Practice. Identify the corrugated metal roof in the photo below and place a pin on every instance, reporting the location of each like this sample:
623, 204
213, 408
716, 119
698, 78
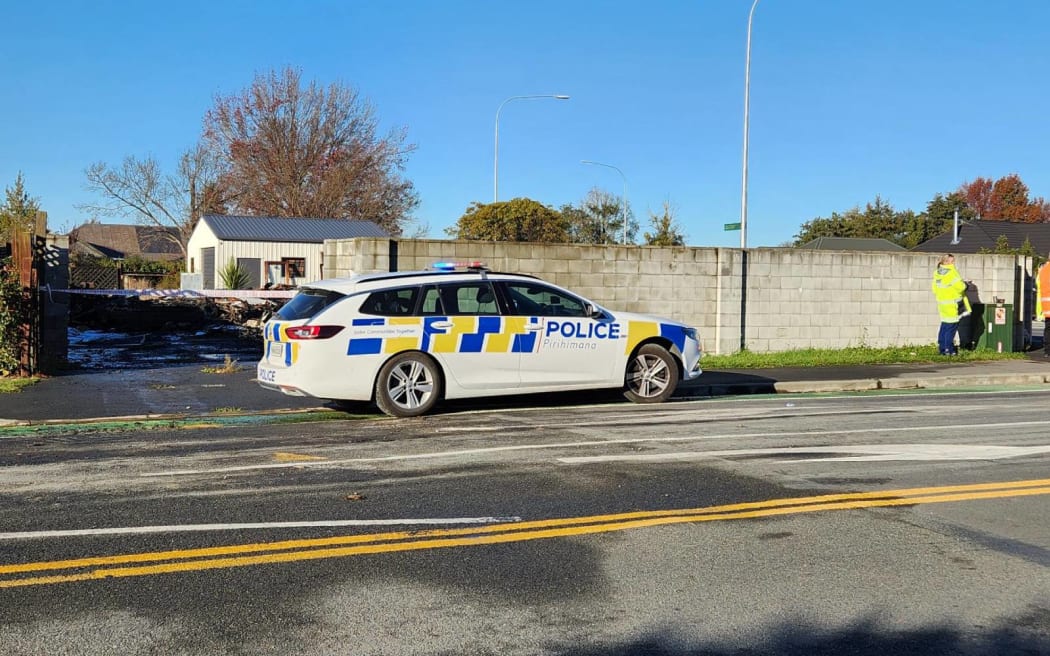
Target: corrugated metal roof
272, 228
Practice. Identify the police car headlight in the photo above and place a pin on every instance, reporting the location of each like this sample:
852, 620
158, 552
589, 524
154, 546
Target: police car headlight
691, 334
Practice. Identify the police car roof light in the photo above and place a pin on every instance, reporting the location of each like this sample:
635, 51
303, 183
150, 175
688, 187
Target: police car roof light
452, 266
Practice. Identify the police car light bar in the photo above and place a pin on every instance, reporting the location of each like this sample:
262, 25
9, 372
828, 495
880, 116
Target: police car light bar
452, 266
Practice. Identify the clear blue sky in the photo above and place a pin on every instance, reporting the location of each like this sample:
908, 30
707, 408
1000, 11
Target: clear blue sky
849, 99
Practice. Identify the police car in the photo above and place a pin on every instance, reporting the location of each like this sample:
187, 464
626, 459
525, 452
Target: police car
407, 340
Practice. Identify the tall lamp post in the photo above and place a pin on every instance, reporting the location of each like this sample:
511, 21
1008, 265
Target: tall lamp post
747, 102
610, 166
495, 166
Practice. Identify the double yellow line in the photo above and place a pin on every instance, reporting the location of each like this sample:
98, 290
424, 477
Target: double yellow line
242, 555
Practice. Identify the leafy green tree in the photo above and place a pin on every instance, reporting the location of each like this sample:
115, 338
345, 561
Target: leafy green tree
937, 219
19, 211
876, 220
520, 219
666, 229
599, 219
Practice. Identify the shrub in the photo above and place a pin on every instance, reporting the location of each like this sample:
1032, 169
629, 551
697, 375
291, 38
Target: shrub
14, 312
233, 276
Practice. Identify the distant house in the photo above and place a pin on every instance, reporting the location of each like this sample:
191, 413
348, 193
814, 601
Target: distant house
852, 244
977, 236
272, 250
119, 242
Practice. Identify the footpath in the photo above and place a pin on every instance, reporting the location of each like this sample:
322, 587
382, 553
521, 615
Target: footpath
190, 391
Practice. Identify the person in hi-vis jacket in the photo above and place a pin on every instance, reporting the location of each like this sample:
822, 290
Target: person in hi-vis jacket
1042, 303
949, 289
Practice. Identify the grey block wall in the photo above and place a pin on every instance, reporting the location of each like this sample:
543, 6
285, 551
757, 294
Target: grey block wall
766, 299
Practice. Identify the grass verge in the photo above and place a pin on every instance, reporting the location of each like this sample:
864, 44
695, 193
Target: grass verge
847, 357
9, 385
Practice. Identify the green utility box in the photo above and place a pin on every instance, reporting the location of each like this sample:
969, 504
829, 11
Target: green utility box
993, 326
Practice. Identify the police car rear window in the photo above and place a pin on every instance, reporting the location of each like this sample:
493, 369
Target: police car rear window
307, 303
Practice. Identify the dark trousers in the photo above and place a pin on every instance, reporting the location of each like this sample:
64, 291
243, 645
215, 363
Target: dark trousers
946, 338
1046, 336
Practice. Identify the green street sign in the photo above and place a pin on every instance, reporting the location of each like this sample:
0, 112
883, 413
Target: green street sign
732, 226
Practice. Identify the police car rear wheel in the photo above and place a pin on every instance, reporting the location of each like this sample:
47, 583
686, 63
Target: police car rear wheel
652, 375
408, 385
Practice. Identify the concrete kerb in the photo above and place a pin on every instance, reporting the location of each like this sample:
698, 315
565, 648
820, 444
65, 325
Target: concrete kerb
814, 386
934, 382
864, 385
9, 423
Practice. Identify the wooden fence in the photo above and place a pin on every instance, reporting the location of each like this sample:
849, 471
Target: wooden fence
26, 259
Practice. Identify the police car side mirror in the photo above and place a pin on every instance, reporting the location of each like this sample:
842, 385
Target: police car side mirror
593, 311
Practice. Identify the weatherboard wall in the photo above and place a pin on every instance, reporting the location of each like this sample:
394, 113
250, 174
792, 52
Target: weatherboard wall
784, 298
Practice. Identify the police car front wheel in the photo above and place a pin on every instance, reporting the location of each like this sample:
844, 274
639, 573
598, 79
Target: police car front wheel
409, 385
652, 375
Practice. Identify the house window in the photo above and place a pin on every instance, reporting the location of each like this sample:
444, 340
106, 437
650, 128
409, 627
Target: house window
294, 267
286, 271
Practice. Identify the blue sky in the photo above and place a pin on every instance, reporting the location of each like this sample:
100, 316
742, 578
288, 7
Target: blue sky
849, 99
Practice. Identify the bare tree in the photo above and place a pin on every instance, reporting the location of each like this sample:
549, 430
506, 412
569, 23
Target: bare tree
295, 150
138, 189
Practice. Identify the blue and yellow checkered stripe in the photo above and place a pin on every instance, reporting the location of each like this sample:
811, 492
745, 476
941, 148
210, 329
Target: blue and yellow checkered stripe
272, 332
467, 334
639, 331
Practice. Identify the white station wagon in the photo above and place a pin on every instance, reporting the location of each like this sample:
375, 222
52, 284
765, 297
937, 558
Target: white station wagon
407, 340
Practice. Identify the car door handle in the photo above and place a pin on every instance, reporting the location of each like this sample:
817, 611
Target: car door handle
442, 324
534, 326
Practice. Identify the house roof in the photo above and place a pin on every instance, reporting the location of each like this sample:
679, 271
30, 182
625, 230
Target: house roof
272, 228
852, 244
117, 241
977, 235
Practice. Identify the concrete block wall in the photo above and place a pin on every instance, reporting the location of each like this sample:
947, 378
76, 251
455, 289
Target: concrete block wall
766, 299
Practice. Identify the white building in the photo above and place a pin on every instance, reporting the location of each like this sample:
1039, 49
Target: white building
271, 250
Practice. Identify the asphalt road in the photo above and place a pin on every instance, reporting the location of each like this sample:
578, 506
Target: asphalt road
907, 523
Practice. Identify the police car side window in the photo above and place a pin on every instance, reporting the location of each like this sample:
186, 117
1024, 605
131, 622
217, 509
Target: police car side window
531, 299
470, 298
391, 302
431, 304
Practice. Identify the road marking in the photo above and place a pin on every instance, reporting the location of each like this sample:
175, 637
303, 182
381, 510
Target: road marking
684, 416
294, 457
871, 452
189, 528
201, 559
436, 455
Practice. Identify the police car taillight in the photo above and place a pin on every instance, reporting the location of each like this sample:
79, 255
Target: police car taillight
311, 332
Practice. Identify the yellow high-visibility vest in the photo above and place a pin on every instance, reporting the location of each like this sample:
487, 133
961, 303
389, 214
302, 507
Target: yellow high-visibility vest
948, 289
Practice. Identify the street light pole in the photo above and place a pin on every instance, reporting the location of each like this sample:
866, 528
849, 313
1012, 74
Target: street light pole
610, 166
495, 166
747, 103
